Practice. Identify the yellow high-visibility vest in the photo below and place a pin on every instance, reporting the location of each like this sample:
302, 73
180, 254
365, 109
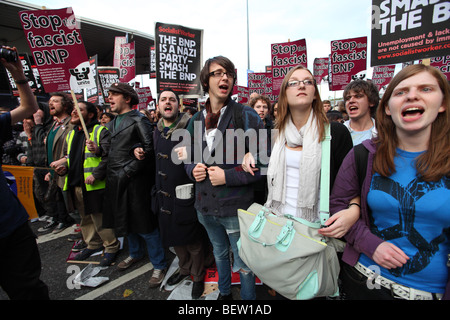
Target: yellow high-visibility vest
91, 161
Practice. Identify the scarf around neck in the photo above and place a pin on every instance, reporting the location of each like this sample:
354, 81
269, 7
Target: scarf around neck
212, 119
309, 171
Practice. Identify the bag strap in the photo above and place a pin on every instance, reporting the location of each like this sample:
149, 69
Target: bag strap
324, 212
238, 121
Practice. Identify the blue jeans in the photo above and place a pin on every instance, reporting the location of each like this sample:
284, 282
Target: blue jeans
137, 243
223, 232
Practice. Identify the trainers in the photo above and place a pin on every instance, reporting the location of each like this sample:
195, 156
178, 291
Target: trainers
49, 226
176, 278
108, 259
86, 253
45, 218
197, 289
60, 227
127, 263
79, 246
157, 277
75, 237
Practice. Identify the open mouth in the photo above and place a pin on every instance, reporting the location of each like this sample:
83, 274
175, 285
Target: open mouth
412, 112
353, 109
223, 88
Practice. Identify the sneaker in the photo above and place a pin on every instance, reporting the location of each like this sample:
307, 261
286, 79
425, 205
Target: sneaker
45, 218
76, 234
127, 263
157, 277
176, 278
86, 253
49, 226
76, 228
197, 289
108, 259
79, 246
60, 227
74, 237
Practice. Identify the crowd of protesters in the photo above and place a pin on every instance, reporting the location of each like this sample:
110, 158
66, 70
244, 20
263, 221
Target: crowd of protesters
113, 173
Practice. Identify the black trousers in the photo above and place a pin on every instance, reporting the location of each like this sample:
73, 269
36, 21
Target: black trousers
355, 286
20, 266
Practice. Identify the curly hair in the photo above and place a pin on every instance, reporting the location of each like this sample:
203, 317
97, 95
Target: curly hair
66, 101
366, 87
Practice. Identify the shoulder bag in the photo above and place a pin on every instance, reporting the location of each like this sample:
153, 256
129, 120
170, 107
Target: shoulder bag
287, 253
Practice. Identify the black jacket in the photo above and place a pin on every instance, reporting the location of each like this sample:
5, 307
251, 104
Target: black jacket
177, 217
127, 206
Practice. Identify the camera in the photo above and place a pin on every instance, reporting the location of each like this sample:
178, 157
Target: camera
8, 55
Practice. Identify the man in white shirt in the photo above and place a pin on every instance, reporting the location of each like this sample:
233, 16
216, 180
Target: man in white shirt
361, 100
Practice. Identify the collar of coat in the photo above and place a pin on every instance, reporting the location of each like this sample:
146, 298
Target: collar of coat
180, 123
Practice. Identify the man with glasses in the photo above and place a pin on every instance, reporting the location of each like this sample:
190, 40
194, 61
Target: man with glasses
222, 187
361, 100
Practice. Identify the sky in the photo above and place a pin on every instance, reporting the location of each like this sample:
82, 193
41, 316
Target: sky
224, 25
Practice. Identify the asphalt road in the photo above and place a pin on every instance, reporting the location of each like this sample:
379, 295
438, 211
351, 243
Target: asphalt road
130, 284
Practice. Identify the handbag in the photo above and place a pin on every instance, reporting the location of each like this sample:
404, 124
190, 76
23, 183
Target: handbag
287, 253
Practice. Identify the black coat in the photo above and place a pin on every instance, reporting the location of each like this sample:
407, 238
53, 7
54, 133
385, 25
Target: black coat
127, 206
177, 218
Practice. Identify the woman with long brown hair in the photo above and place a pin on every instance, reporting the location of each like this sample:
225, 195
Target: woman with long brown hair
294, 168
402, 236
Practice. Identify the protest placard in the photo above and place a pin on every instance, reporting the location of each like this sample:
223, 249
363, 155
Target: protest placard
348, 61
443, 64
242, 95
118, 42
409, 30
320, 69
127, 62
190, 103
107, 76
260, 82
285, 56
56, 45
178, 58
152, 62
382, 75
29, 74
95, 94
145, 96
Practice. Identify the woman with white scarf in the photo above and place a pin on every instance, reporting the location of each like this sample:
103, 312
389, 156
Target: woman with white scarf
293, 174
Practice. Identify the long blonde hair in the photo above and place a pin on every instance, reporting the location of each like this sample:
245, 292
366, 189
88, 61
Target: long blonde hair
433, 164
283, 112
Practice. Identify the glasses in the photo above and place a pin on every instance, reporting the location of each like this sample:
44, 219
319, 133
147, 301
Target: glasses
219, 74
296, 83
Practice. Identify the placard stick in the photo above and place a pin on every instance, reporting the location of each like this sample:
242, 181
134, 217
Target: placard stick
79, 114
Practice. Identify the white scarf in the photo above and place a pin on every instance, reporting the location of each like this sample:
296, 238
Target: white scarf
309, 175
